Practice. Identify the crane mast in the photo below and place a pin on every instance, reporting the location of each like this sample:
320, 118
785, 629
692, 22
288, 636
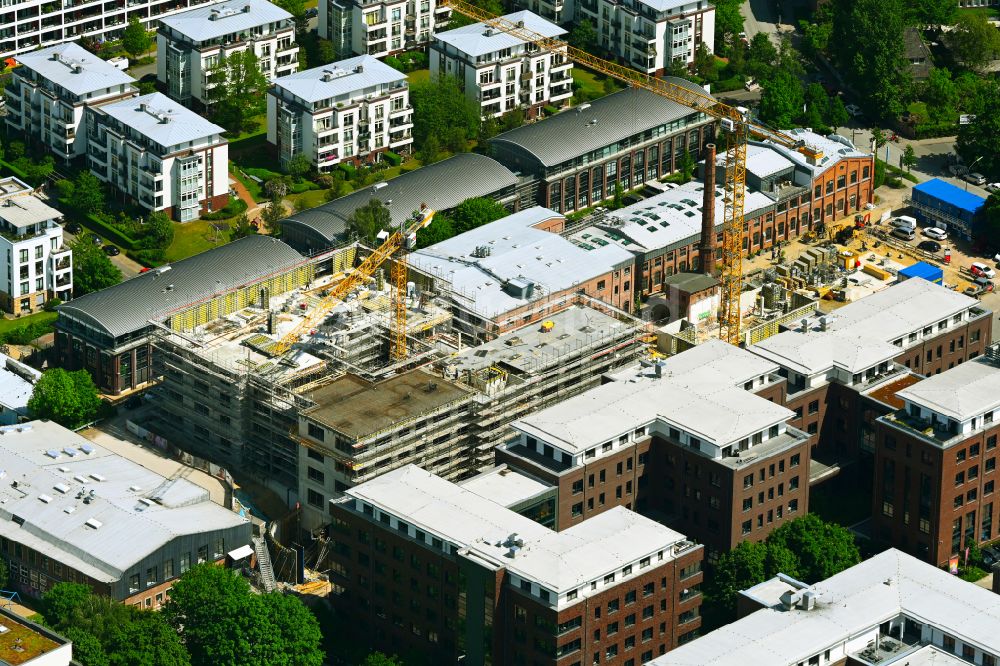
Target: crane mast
734, 123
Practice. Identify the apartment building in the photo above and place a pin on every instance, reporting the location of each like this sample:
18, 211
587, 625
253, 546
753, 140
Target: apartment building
35, 264
50, 90
490, 586
936, 463
352, 110
189, 45
701, 439
838, 365
501, 72
890, 610
160, 156
380, 27
26, 25
575, 158
77, 512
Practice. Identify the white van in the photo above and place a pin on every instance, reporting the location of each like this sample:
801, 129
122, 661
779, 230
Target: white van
903, 233
121, 62
905, 222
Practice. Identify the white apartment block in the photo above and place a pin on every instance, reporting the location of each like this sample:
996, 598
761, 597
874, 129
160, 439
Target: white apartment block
351, 110
647, 34
35, 264
501, 72
380, 27
160, 155
49, 91
190, 44
26, 25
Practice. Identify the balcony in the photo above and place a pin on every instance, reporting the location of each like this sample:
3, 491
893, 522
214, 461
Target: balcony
65, 280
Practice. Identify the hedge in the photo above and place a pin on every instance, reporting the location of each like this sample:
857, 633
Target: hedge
550, 110
303, 186
392, 158
728, 85
232, 209
14, 170
263, 174
151, 258
348, 169
108, 232
932, 130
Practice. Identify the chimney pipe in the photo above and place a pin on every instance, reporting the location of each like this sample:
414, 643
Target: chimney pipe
706, 248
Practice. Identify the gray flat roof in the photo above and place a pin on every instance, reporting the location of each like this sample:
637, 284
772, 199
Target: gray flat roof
343, 77
161, 119
854, 601
17, 381
231, 16
129, 306
25, 210
969, 389
505, 486
74, 68
812, 352
53, 465
558, 561
691, 282
478, 39
602, 122
441, 186
517, 250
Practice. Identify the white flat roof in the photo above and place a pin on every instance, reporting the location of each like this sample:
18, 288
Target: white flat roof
231, 16
25, 210
353, 75
701, 399
833, 146
35, 456
161, 119
813, 352
74, 68
969, 389
17, 381
851, 602
505, 486
762, 160
557, 561
479, 39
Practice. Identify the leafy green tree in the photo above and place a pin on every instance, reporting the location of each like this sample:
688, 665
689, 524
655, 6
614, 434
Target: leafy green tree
685, 167
441, 110
87, 650
68, 398
297, 8
821, 548
909, 157
817, 106
836, 113
781, 100
299, 166
816, 32
242, 228
762, 56
475, 212
488, 129
940, 93
238, 93
431, 151
135, 39
92, 269
272, 215
931, 12
159, 231
988, 221
705, 64
61, 601
147, 639
296, 629
368, 220
874, 64
87, 193
618, 199
879, 136
728, 21
584, 36
980, 139
738, 569
379, 659
440, 229
512, 119
975, 41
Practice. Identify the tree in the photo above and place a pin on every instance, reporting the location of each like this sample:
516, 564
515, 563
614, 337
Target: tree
728, 21
781, 100
584, 36
980, 139
368, 220
61, 601
242, 228
617, 200
909, 158
874, 64
3, 575
440, 229
273, 214
513, 119
821, 548
816, 33
135, 40
87, 193
975, 41
931, 12
299, 166
685, 167
988, 221
87, 650
879, 137
147, 639
296, 629
441, 110
237, 91
738, 569
762, 56
837, 115
379, 659
430, 151
817, 106
940, 93
159, 231
476, 212
92, 269
68, 398
705, 64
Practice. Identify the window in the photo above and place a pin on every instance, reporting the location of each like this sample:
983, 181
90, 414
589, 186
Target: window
151, 576
578, 487
577, 509
794, 460
133, 580
185, 562
314, 498
202, 554
316, 432
316, 475
814, 407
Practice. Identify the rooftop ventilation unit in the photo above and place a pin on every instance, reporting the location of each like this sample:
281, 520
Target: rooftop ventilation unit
44, 498
87, 448
97, 477
93, 522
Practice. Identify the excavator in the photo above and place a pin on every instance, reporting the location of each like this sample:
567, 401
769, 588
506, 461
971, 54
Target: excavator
402, 238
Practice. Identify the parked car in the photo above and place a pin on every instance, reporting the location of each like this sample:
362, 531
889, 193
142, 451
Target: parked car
984, 283
97, 240
935, 233
929, 246
853, 110
111, 250
973, 291
980, 269
992, 187
73, 227
975, 178
902, 233
905, 222
751, 85
958, 169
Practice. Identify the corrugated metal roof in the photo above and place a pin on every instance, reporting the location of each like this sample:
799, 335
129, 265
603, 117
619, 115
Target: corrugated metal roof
128, 307
950, 194
441, 186
91, 74
478, 39
161, 119
232, 16
605, 121
339, 78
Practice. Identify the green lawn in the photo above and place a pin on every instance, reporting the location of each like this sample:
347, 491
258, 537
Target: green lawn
252, 185
419, 76
590, 84
309, 199
989, 12
191, 238
7, 325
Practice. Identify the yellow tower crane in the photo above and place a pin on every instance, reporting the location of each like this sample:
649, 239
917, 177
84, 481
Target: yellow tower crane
735, 123
397, 240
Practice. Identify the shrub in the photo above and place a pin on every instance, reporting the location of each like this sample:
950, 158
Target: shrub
232, 209
22, 335
392, 158
394, 62
550, 110
104, 226
303, 186
324, 180
726, 85
349, 169
151, 258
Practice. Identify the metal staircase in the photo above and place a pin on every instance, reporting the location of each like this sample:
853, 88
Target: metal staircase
264, 564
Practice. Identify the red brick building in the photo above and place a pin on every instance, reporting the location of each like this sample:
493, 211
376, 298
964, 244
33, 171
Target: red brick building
425, 566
